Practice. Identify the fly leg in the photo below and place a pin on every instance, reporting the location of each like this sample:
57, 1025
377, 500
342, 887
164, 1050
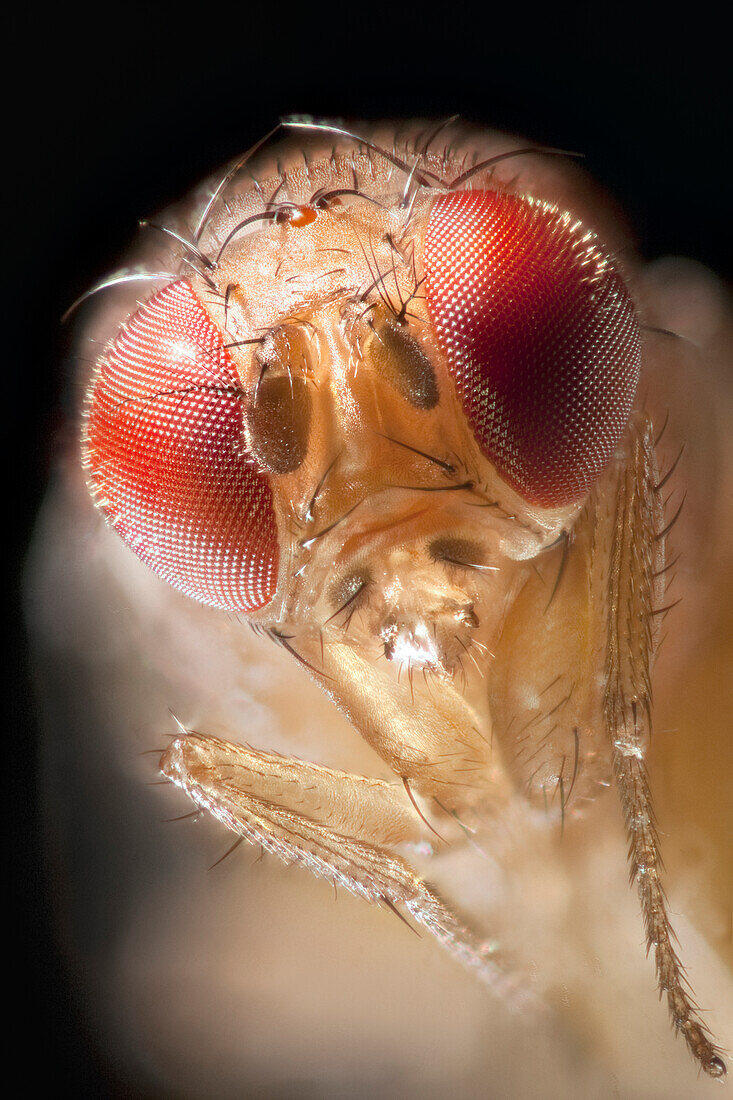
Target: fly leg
341, 826
634, 592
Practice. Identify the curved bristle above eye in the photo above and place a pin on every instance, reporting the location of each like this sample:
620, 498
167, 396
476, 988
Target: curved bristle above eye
541, 338
164, 450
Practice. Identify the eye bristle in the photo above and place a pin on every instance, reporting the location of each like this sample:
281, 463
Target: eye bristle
164, 449
541, 338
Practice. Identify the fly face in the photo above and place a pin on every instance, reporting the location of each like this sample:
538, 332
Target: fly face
385, 406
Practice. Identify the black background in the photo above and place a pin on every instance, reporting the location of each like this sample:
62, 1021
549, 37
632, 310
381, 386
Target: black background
108, 117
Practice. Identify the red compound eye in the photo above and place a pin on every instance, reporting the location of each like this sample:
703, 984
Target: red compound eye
164, 447
540, 335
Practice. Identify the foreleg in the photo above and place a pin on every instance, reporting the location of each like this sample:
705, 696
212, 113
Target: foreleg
340, 826
634, 594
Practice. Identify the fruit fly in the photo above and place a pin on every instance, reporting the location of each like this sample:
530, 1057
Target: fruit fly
396, 403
